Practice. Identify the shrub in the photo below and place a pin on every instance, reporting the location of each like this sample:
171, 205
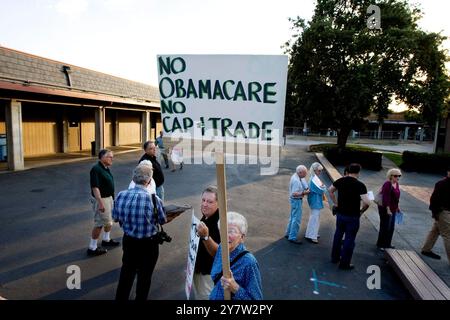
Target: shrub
366, 157
425, 162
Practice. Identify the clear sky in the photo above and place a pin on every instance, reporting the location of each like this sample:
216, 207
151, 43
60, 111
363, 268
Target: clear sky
123, 37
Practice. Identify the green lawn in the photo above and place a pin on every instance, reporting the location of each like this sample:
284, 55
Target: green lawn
394, 157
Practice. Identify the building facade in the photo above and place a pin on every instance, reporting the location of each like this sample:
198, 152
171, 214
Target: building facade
49, 107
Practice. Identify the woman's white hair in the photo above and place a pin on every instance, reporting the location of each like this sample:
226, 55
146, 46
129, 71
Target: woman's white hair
142, 174
301, 168
146, 163
238, 220
315, 166
393, 172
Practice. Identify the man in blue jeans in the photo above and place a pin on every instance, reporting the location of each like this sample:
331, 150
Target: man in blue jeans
350, 193
298, 188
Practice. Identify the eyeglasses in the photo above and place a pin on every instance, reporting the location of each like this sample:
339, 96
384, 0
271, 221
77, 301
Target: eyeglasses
233, 231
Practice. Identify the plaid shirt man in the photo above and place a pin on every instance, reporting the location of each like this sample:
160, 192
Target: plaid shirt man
133, 208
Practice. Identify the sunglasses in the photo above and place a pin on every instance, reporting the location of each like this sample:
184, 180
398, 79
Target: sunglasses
397, 175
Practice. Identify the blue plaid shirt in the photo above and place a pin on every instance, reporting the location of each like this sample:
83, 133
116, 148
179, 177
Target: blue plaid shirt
133, 208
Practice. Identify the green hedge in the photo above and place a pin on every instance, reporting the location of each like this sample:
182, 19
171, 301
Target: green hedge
425, 162
365, 157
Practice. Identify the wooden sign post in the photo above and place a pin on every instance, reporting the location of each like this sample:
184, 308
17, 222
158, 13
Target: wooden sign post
222, 194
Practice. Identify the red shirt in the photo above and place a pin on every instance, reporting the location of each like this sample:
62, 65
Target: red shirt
391, 196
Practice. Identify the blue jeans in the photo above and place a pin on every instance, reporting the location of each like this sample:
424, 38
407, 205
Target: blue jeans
349, 226
295, 219
160, 192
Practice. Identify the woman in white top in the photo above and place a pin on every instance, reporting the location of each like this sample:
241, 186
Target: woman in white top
315, 201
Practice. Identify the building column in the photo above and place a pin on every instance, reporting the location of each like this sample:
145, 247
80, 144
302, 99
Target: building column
145, 126
380, 129
115, 127
14, 135
406, 133
99, 129
65, 132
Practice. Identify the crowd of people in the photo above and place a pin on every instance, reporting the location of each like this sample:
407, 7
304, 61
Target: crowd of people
349, 199
140, 212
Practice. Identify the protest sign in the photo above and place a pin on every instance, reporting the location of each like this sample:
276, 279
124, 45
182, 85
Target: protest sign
237, 96
193, 248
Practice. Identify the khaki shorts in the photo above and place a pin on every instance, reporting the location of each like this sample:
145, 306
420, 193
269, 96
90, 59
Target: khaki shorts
103, 219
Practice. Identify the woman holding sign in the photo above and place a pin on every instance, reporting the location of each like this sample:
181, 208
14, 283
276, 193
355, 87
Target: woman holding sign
315, 201
245, 280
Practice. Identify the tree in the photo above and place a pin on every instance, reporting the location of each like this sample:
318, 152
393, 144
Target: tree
340, 70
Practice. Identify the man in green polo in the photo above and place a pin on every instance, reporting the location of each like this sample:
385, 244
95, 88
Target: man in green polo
102, 191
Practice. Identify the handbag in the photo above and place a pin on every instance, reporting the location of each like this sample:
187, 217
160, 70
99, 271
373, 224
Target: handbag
378, 198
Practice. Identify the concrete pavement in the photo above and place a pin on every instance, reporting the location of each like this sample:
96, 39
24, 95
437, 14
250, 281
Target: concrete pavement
416, 189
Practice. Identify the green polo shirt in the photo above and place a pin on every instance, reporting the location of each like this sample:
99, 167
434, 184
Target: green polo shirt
102, 179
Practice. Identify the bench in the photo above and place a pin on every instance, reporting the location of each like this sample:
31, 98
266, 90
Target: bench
333, 173
421, 281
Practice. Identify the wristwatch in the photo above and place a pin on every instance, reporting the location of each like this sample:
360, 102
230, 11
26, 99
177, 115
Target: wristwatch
205, 238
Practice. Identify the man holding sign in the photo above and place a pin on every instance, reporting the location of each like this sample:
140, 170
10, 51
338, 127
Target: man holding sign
208, 231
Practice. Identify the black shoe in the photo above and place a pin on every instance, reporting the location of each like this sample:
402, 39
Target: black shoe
287, 237
167, 167
346, 267
335, 261
110, 243
431, 254
295, 241
97, 252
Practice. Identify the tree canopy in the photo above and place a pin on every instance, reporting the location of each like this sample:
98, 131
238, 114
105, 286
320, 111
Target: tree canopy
341, 68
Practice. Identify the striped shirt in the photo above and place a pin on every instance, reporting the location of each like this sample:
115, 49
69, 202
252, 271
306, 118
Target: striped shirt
133, 208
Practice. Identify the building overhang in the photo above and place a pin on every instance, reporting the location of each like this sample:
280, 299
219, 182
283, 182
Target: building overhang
30, 91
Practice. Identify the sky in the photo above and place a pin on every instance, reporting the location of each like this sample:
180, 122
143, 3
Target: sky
123, 37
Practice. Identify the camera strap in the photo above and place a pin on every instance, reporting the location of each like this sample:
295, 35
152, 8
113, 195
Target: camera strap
155, 213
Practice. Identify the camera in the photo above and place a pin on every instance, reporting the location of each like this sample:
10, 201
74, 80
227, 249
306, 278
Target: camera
162, 237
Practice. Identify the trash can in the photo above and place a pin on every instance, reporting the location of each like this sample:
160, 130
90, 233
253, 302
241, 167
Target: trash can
3, 147
93, 148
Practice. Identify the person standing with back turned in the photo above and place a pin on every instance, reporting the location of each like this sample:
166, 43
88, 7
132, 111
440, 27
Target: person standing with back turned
351, 192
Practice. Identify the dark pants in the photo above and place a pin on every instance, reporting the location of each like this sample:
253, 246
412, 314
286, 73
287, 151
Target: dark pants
166, 160
348, 226
139, 258
387, 225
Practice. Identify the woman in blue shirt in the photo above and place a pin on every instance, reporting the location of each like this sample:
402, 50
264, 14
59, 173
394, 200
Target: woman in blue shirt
245, 280
315, 200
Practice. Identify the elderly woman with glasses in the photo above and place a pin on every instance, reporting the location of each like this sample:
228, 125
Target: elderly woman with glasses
245, 280
390, 195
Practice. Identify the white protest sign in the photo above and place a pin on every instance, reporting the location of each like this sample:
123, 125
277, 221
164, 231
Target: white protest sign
192, 255
223, 96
